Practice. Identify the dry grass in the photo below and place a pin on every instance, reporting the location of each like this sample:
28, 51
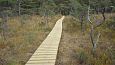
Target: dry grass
76, 48
24, 36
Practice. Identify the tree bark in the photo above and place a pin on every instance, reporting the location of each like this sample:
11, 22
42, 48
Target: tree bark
19, 7
94, 40
103, 14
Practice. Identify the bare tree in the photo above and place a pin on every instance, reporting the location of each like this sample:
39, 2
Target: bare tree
45, 15
82, 18
94, 37
19, 7
88, 17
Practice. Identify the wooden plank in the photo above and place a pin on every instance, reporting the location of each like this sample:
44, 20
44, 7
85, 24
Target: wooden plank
47, 52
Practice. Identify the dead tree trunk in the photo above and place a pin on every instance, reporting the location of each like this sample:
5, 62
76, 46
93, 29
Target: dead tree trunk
94, 38
19, 7
45, 15
88, 17
103, 13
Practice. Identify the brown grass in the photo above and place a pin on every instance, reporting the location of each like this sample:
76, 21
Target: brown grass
24, 36
76, 48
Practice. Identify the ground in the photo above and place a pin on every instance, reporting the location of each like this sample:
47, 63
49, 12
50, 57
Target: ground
76, 48
23, 36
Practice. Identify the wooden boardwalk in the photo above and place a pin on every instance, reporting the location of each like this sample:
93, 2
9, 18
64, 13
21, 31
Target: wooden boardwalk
47, 52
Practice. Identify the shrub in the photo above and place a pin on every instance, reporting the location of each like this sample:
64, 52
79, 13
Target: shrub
82, 57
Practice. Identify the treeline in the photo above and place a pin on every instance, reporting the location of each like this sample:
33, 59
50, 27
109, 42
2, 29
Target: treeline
40, 7
50, 7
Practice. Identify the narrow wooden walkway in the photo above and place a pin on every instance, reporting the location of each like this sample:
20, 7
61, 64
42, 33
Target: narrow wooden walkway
47, 52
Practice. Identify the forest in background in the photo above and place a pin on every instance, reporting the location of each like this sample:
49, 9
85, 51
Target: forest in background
50, 7
76, 8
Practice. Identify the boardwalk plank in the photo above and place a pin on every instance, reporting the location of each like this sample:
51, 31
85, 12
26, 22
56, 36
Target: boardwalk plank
47, 52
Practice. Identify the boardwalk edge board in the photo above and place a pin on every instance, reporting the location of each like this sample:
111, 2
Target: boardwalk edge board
47, 52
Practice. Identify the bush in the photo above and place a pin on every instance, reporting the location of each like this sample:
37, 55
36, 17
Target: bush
82, 57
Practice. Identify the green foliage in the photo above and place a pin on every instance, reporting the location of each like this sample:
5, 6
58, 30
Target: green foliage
111, 23
47, 8
12, 1
77, 7
82, 56
51, 7
86, 58
102, 59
